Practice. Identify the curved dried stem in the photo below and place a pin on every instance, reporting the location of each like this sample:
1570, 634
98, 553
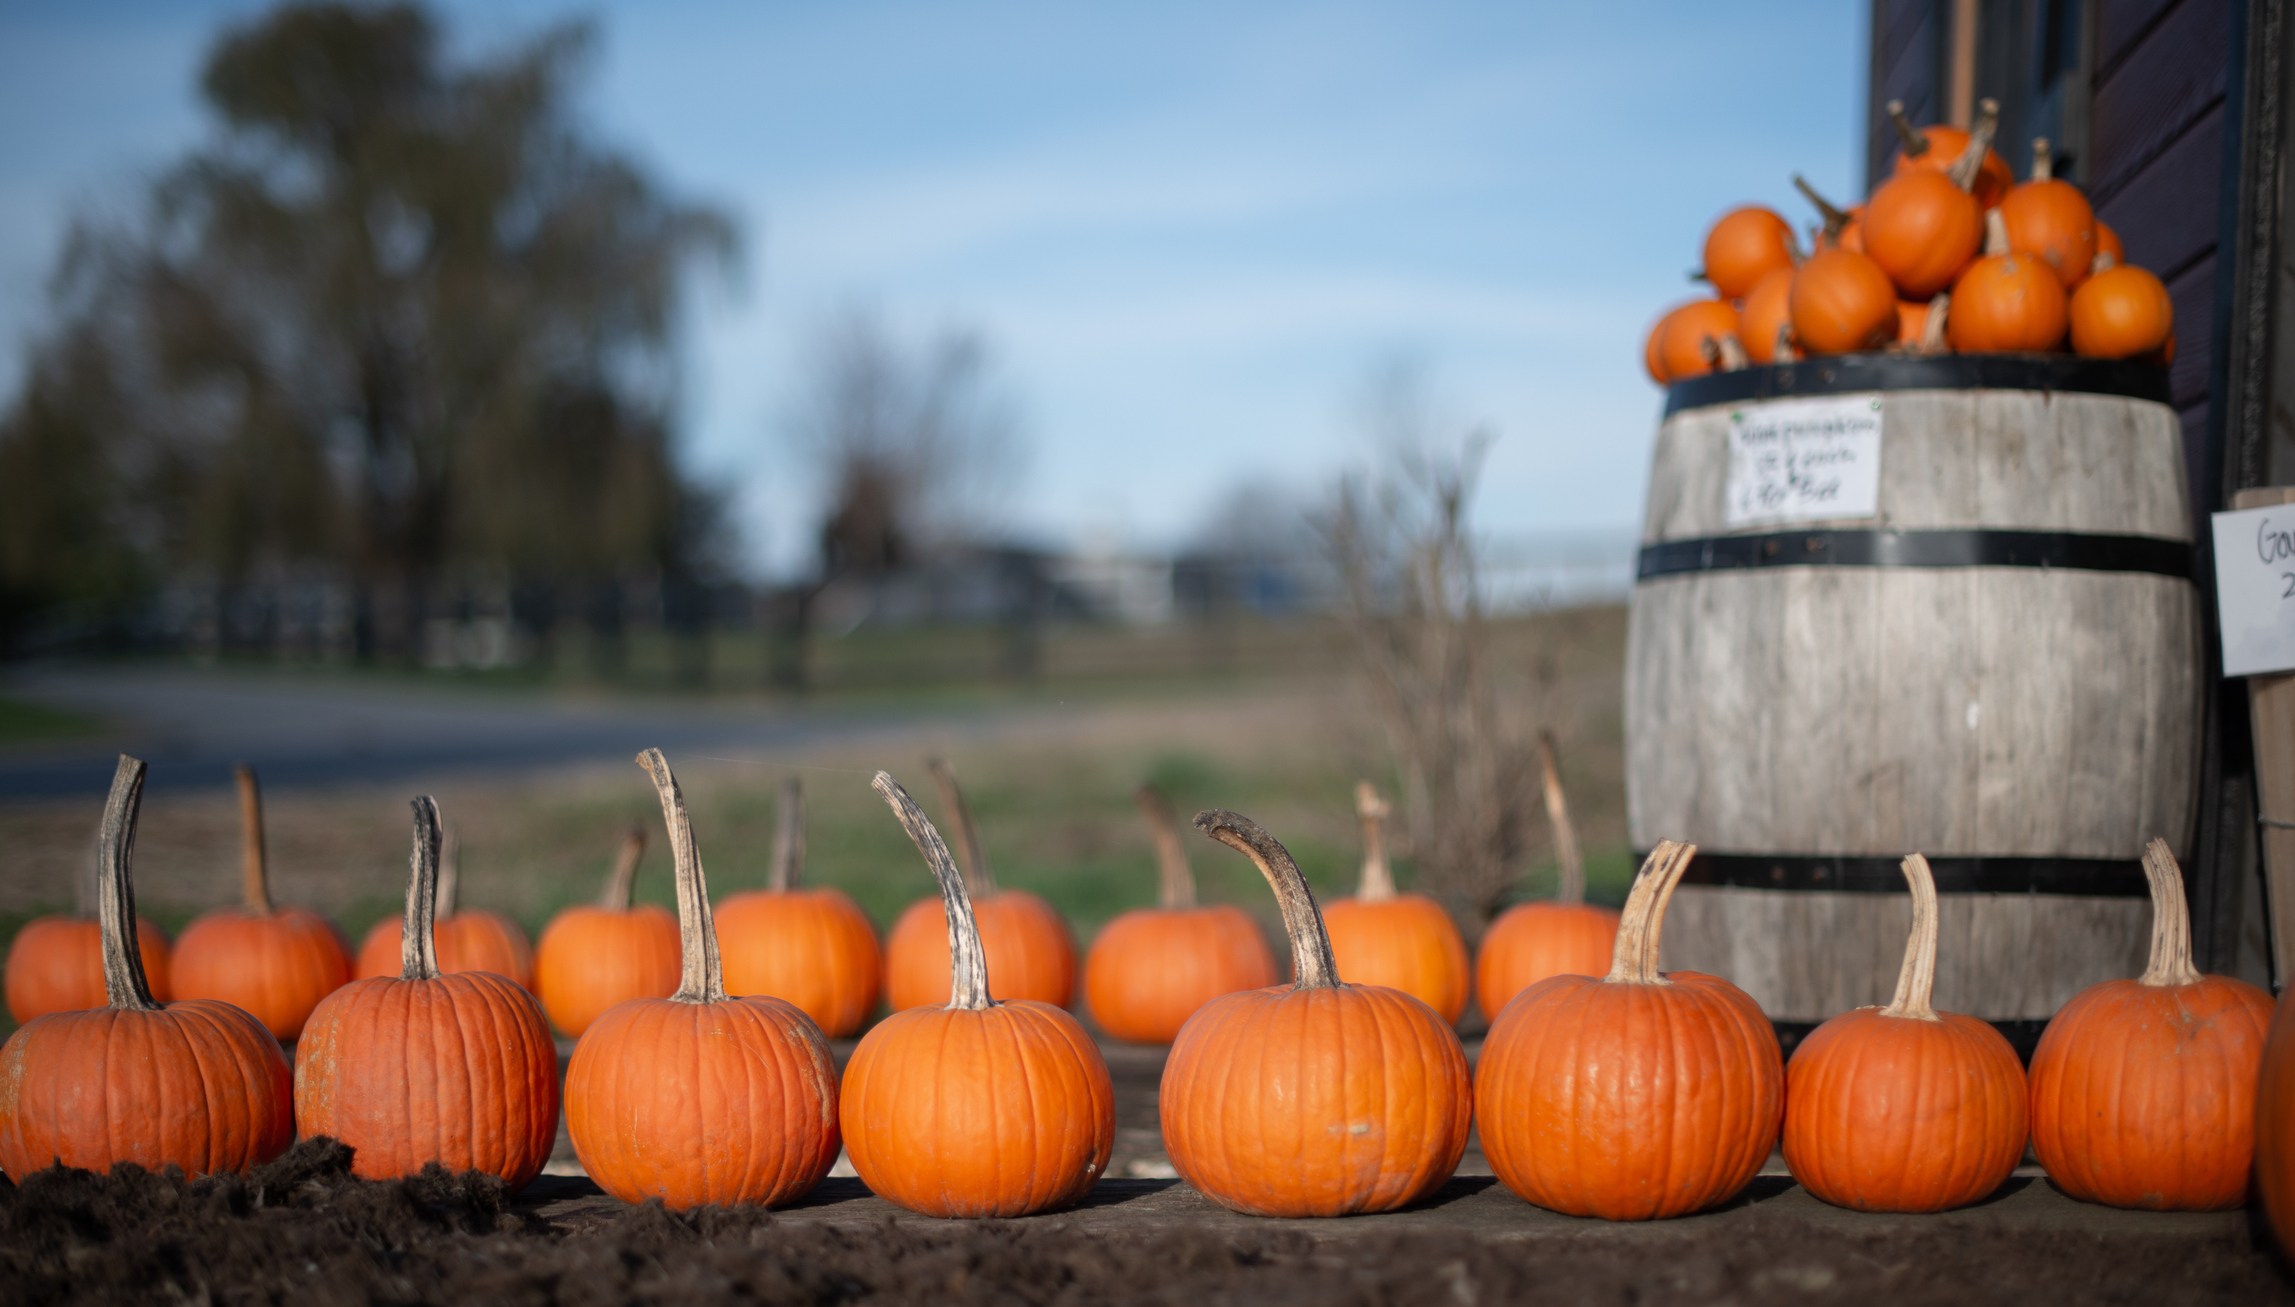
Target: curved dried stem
1917, 981
1971, 161
1311, 957
1378, 882
1932, 328
1175, 880
1572, 889
125, 986
979, 879
1913, 141
2171, 962
967, 961
417, 932
1995, 233
616, 896
2043, 163
1634, 961
703, 977
1835, 218
789, 839
254, 875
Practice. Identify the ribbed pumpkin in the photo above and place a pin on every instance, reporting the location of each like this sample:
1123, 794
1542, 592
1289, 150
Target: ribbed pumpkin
2120, 313
196, 1084
2006, 303
595, 955
1635, 1096
2051, 221
1402, 941
276, 963
1151, 968
812, 946
1744, 246
471, 939
1693, 343
1531, 941
1317, 1098
1842, 302
56, 962
1939, 147
1767, 318
979, 1107
1922, 229
430, 1066
2143, 1091
1031, 951
700, 1098
1904, 1108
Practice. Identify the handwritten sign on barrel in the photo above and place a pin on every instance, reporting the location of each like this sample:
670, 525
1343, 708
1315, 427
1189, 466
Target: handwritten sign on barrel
2255, 589
1804, 460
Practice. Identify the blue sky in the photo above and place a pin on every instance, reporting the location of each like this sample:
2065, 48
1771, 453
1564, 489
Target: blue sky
1190, 230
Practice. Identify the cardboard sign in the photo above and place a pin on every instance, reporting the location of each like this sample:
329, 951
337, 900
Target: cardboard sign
1804, 460
2255, 589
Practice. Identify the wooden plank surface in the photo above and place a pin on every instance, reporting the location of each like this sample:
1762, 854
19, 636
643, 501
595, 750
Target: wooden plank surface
2150, 99
2121, 23
2271, 705
2166, 214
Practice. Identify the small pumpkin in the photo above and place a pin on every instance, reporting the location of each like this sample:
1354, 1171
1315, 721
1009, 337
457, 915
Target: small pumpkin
1922, 229
2143, 1091
700, 1098
1402, 941
1766, 321
471, 939
1532, 941
456, 1068
1904, 1108
275, 962
2007, 303
1842, 302
1743, 246
2120, 312
1694, 334
594, 956
1939, 147
1317, 1098
2051, 221
1637, 1095
56, 962
976, 1107
196, 1084
2107, 246
1152, 968
1653, 347
810, 945
1031, 951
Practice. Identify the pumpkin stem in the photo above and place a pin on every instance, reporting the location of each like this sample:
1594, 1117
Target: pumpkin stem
417, 942
124, 984
1573, 887
967, 961
703, 979
616, 897
1917, 981
1995, 233
1311, 959
1971, 161
789, 839
979, 879
2103, 262
254, 876
1835, 219
1723, 352
1378, 882
1932, 330
1634, 959
1784, 351
1175, 882
2171, 921
2043, 163
1914, 142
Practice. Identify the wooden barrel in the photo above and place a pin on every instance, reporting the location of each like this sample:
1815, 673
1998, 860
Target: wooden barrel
1890, 605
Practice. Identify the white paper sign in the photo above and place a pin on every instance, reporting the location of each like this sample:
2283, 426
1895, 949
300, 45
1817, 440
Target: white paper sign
2255, 589
1805, 460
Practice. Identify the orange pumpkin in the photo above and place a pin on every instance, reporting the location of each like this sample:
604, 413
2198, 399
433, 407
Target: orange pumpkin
2005, 304
1744, 246
1922, 230
1653, 346
472, 939
56, 962
1151, 968
1939, 148
1637, 1095
2143, 1091
700, 1098
2108, 246
1031, 951
1842, 302
2051, 221
1904, 1108
456, 1068
1531, 941
2119, 313
196, 1084
1402, 941
1317, 1098
979, 1107
594, 956
1766, 321
1695, 333
812, 946
276, 963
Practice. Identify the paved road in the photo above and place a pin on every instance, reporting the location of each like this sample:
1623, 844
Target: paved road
314, 729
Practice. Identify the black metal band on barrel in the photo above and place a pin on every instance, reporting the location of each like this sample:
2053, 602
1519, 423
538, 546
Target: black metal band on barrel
2102, 877
1850, 374
1956, 548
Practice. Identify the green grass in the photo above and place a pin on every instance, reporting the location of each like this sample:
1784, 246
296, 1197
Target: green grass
36, 723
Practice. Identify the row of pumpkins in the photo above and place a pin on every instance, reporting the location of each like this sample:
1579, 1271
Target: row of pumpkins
1632, 1095
1145, 974
1950, 252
